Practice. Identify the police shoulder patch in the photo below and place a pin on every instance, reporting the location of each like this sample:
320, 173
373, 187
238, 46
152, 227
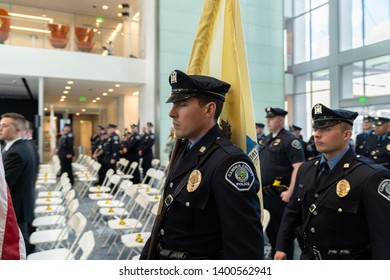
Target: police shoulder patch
384, 189
115, 137
152, 136
296, 144
70, 135
240, 176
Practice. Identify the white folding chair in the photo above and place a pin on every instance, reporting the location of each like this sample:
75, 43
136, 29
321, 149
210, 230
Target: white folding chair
55, 209
56, 199
85, 244
105, 187
57, 190
54, 238
129, 174
121, 166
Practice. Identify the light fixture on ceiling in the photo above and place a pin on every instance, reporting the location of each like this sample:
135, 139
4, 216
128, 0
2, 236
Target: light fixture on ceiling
70, 82
123, 14
110, 90
123, 6
104, 93
29, 29
105, 7
136, 16
50, 20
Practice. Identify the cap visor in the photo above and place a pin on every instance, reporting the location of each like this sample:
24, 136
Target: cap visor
179, 96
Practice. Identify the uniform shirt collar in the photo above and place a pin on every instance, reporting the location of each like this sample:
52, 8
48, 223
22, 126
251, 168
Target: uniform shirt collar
333, 161
10, 143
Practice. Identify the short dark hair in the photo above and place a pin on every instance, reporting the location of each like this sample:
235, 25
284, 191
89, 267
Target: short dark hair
204, 99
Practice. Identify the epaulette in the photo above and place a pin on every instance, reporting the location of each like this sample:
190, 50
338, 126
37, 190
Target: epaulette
367, 161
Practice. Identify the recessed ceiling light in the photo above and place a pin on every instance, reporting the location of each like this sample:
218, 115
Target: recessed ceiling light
83, 110
68, 87
110, 90
63, 96
65, 92
94, 101
105, 7
117, 85
62, 100
70, 82
77, 114
45, 109
105, 93
98, 98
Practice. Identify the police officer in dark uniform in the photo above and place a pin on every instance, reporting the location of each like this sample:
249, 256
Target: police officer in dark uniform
95, 139
361, 138
66, 152
132, 146
111, 147
145, 150
307, 149
99, 156
259, 132
378, 145
281, 154
211, 209
340, 199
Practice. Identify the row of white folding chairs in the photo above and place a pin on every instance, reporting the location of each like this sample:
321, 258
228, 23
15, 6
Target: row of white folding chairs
47, 174
85, 179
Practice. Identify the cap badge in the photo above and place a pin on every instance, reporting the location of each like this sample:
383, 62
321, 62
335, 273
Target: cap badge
173, 77
317, 109
342, 188
268, 109
194, 180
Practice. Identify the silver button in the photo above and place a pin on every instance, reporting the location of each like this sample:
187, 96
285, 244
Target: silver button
312, 230
340, 210
162, 231
316, 195
187, 204
171, 185
315, 213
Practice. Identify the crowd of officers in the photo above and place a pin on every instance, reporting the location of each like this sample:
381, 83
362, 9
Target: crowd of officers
107, 147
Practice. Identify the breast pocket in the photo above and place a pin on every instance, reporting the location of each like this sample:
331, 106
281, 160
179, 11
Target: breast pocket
342, 215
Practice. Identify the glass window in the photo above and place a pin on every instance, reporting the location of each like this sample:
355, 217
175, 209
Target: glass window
363, 22
352, 80
320, 32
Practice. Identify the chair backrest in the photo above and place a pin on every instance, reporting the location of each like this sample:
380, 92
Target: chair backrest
266, 219
73, 206
158, 177
70, 196
164, 165
77, 223
149, 176
86, 244
155, 162
109, 173
132, 168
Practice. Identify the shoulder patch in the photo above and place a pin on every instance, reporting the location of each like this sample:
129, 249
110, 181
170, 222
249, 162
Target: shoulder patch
240, 176
70, 135
296, 144
384, 189
152, 136
137, 137
115, 137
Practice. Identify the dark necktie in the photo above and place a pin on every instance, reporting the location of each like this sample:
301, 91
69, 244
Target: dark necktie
323, 173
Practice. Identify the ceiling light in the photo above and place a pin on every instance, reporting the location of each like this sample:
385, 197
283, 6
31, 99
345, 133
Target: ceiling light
117, 85
83, 110
123, 14
105, 93
98, 98
136, 16
68, 87
110, 90
63, 97
45, 109
94, 101
62, 100
123, 6
70, 82
50, 20
105, 7
135, 93
29, 29
65, 92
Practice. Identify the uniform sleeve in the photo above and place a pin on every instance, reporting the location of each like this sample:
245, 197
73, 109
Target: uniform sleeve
238, 208
295, 151
291, 218
376, 201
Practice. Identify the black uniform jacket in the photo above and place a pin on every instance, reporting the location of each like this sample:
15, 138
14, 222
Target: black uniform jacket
350, 220
221, 217
20, 168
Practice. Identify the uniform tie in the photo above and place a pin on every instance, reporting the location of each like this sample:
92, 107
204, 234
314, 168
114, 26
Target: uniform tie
323, 173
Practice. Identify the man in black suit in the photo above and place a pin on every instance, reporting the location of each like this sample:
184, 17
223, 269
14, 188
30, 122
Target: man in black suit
20, 166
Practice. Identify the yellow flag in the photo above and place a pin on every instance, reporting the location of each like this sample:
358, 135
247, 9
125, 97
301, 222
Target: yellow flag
219, 51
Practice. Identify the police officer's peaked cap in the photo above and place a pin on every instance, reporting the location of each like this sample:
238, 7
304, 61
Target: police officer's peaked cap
185, 86
367, 118
149, 124
111, 125
133, 125
259, 125
103, 132
273, 112
325, 117
380, 120
295, 128
100, 127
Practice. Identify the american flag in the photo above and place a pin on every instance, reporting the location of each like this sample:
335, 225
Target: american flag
11, 241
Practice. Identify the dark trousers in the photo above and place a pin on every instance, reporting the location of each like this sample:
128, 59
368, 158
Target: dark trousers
66, 166
276, 208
